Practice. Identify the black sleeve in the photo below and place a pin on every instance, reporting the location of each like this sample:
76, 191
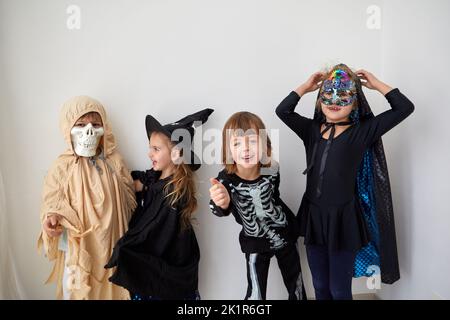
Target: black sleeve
218, 211
137, 175
401, 106
276, 185
299, 124
145, 177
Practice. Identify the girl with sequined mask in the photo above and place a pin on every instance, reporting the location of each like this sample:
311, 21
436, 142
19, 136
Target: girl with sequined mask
346, 215
337, 95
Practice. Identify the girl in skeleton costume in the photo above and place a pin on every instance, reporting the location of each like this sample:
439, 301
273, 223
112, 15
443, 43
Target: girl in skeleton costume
248, 188
158, 257
88, 198
346, 215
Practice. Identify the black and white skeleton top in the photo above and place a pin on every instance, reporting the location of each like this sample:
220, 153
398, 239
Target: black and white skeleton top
267, 222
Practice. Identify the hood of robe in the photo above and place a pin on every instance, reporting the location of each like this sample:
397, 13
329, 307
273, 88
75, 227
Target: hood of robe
75, 108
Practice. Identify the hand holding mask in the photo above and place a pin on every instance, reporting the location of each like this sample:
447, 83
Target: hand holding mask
368, 80
312, 84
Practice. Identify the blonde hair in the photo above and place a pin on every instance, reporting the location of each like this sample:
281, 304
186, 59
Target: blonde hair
328, 73
181, 190
243, 121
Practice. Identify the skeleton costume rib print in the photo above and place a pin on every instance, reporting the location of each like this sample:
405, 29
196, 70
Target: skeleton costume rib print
258, 212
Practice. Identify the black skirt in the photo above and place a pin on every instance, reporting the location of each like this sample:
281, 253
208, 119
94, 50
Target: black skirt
340, 227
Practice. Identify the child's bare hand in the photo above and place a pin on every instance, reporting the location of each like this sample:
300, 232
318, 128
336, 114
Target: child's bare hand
370, 81
312, 84
52, 226
138, 186
219, 194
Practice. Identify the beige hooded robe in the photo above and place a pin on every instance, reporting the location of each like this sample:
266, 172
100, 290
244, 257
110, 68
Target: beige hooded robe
95, 203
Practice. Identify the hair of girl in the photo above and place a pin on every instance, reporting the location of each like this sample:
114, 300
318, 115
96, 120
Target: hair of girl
183, 192
242, 122
328, 73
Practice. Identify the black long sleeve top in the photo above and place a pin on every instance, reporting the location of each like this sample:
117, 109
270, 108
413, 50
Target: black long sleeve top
347, 149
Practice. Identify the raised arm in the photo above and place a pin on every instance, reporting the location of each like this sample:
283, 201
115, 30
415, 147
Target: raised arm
285, 111
401, 108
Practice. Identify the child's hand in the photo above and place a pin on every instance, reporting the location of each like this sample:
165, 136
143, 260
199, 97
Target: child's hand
370, 81
52, 227
138, 186
219, 194
312, 84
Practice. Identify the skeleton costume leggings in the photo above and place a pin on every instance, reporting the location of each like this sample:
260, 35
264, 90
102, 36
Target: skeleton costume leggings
289, 264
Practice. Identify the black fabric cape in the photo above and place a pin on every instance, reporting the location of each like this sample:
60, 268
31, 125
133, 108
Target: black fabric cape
154, 258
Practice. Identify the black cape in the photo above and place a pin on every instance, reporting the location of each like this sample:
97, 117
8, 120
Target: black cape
154, 258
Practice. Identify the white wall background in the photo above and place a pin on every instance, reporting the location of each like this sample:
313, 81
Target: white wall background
169, 58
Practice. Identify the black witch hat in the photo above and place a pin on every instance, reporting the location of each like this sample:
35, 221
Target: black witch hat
374, 194
181, 133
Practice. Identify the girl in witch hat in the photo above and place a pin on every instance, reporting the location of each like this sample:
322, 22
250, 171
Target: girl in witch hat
346, 215
158, 257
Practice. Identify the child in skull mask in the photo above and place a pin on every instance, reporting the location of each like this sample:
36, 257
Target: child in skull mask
87, 201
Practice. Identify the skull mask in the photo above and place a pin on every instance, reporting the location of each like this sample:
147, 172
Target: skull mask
85, 140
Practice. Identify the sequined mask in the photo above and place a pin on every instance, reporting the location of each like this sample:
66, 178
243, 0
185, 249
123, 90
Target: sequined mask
338, 89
